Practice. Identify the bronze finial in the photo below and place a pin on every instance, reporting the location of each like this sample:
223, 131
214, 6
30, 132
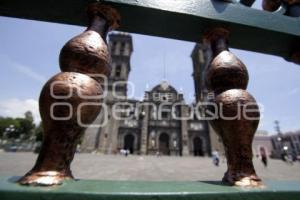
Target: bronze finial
227, 77
88, 52
63, 110
271, 5
226, 71
292, 7
70, 101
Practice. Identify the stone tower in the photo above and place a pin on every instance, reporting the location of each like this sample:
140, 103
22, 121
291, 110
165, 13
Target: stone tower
121, 49
104, 137
201, 57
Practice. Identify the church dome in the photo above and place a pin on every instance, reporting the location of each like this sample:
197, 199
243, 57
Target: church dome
164, 86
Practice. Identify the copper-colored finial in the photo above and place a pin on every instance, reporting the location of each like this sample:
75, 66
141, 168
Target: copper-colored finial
70, 101
214, 34
88, 52
228, 78
291, 6
63, 113
110, 14
226, 71
271, 5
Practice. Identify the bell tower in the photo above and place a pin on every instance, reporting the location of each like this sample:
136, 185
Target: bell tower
105, 138
120, 45
201, 58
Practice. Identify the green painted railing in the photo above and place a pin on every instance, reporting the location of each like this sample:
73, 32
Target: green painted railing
250, 29
135, 190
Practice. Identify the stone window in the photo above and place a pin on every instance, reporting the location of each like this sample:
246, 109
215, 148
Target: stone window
170, 96
122, 48
164, 115
118, 71
156, 96
113, 47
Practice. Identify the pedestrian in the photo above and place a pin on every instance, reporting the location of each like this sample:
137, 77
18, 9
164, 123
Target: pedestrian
263, 156
216, 157
264, 159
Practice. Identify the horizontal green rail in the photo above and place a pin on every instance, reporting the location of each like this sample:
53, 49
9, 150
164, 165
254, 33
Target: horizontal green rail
251, 29
136, 190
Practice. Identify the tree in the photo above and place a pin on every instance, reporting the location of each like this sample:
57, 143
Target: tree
39, 132
26, 127
13, 128
29, 116
10, 127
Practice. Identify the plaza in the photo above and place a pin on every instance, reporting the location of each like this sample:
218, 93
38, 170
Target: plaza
150, 168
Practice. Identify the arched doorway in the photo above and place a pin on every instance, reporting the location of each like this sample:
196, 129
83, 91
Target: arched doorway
197, 143
164, 144
129, 143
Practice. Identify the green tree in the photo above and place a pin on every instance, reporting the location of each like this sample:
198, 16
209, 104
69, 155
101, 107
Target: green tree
39, 131
10, 127
14, 127
29, 116
26, 127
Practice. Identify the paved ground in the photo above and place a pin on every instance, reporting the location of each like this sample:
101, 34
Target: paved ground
105, 167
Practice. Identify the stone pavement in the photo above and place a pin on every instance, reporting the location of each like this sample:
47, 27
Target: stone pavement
117, 167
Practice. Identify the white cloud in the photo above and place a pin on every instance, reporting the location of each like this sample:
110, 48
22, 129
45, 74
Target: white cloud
294, 91
25, 70
29, 72
17, 108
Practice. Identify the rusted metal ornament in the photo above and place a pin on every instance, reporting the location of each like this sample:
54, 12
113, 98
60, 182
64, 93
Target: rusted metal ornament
225, 72
227, 77
61, 108
271, 5
237, 131
70, 101
88, 52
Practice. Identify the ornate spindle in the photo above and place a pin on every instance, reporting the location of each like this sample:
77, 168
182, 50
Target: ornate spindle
271, 5
292, 6
70, 98
88, 53
227, 77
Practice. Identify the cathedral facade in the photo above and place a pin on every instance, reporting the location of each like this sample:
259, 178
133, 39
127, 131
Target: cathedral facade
161, 123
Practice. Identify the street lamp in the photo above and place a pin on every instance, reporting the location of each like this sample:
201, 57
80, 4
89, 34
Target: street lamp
279, 137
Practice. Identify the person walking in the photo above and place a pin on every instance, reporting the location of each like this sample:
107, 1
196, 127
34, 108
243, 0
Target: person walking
216, 158
264, 159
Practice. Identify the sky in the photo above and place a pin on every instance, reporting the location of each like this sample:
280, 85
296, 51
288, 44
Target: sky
29, 57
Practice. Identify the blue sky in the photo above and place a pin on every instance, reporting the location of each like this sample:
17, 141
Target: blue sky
29, 57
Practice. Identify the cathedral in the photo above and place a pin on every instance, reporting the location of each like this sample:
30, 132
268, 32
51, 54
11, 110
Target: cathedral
162, 123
